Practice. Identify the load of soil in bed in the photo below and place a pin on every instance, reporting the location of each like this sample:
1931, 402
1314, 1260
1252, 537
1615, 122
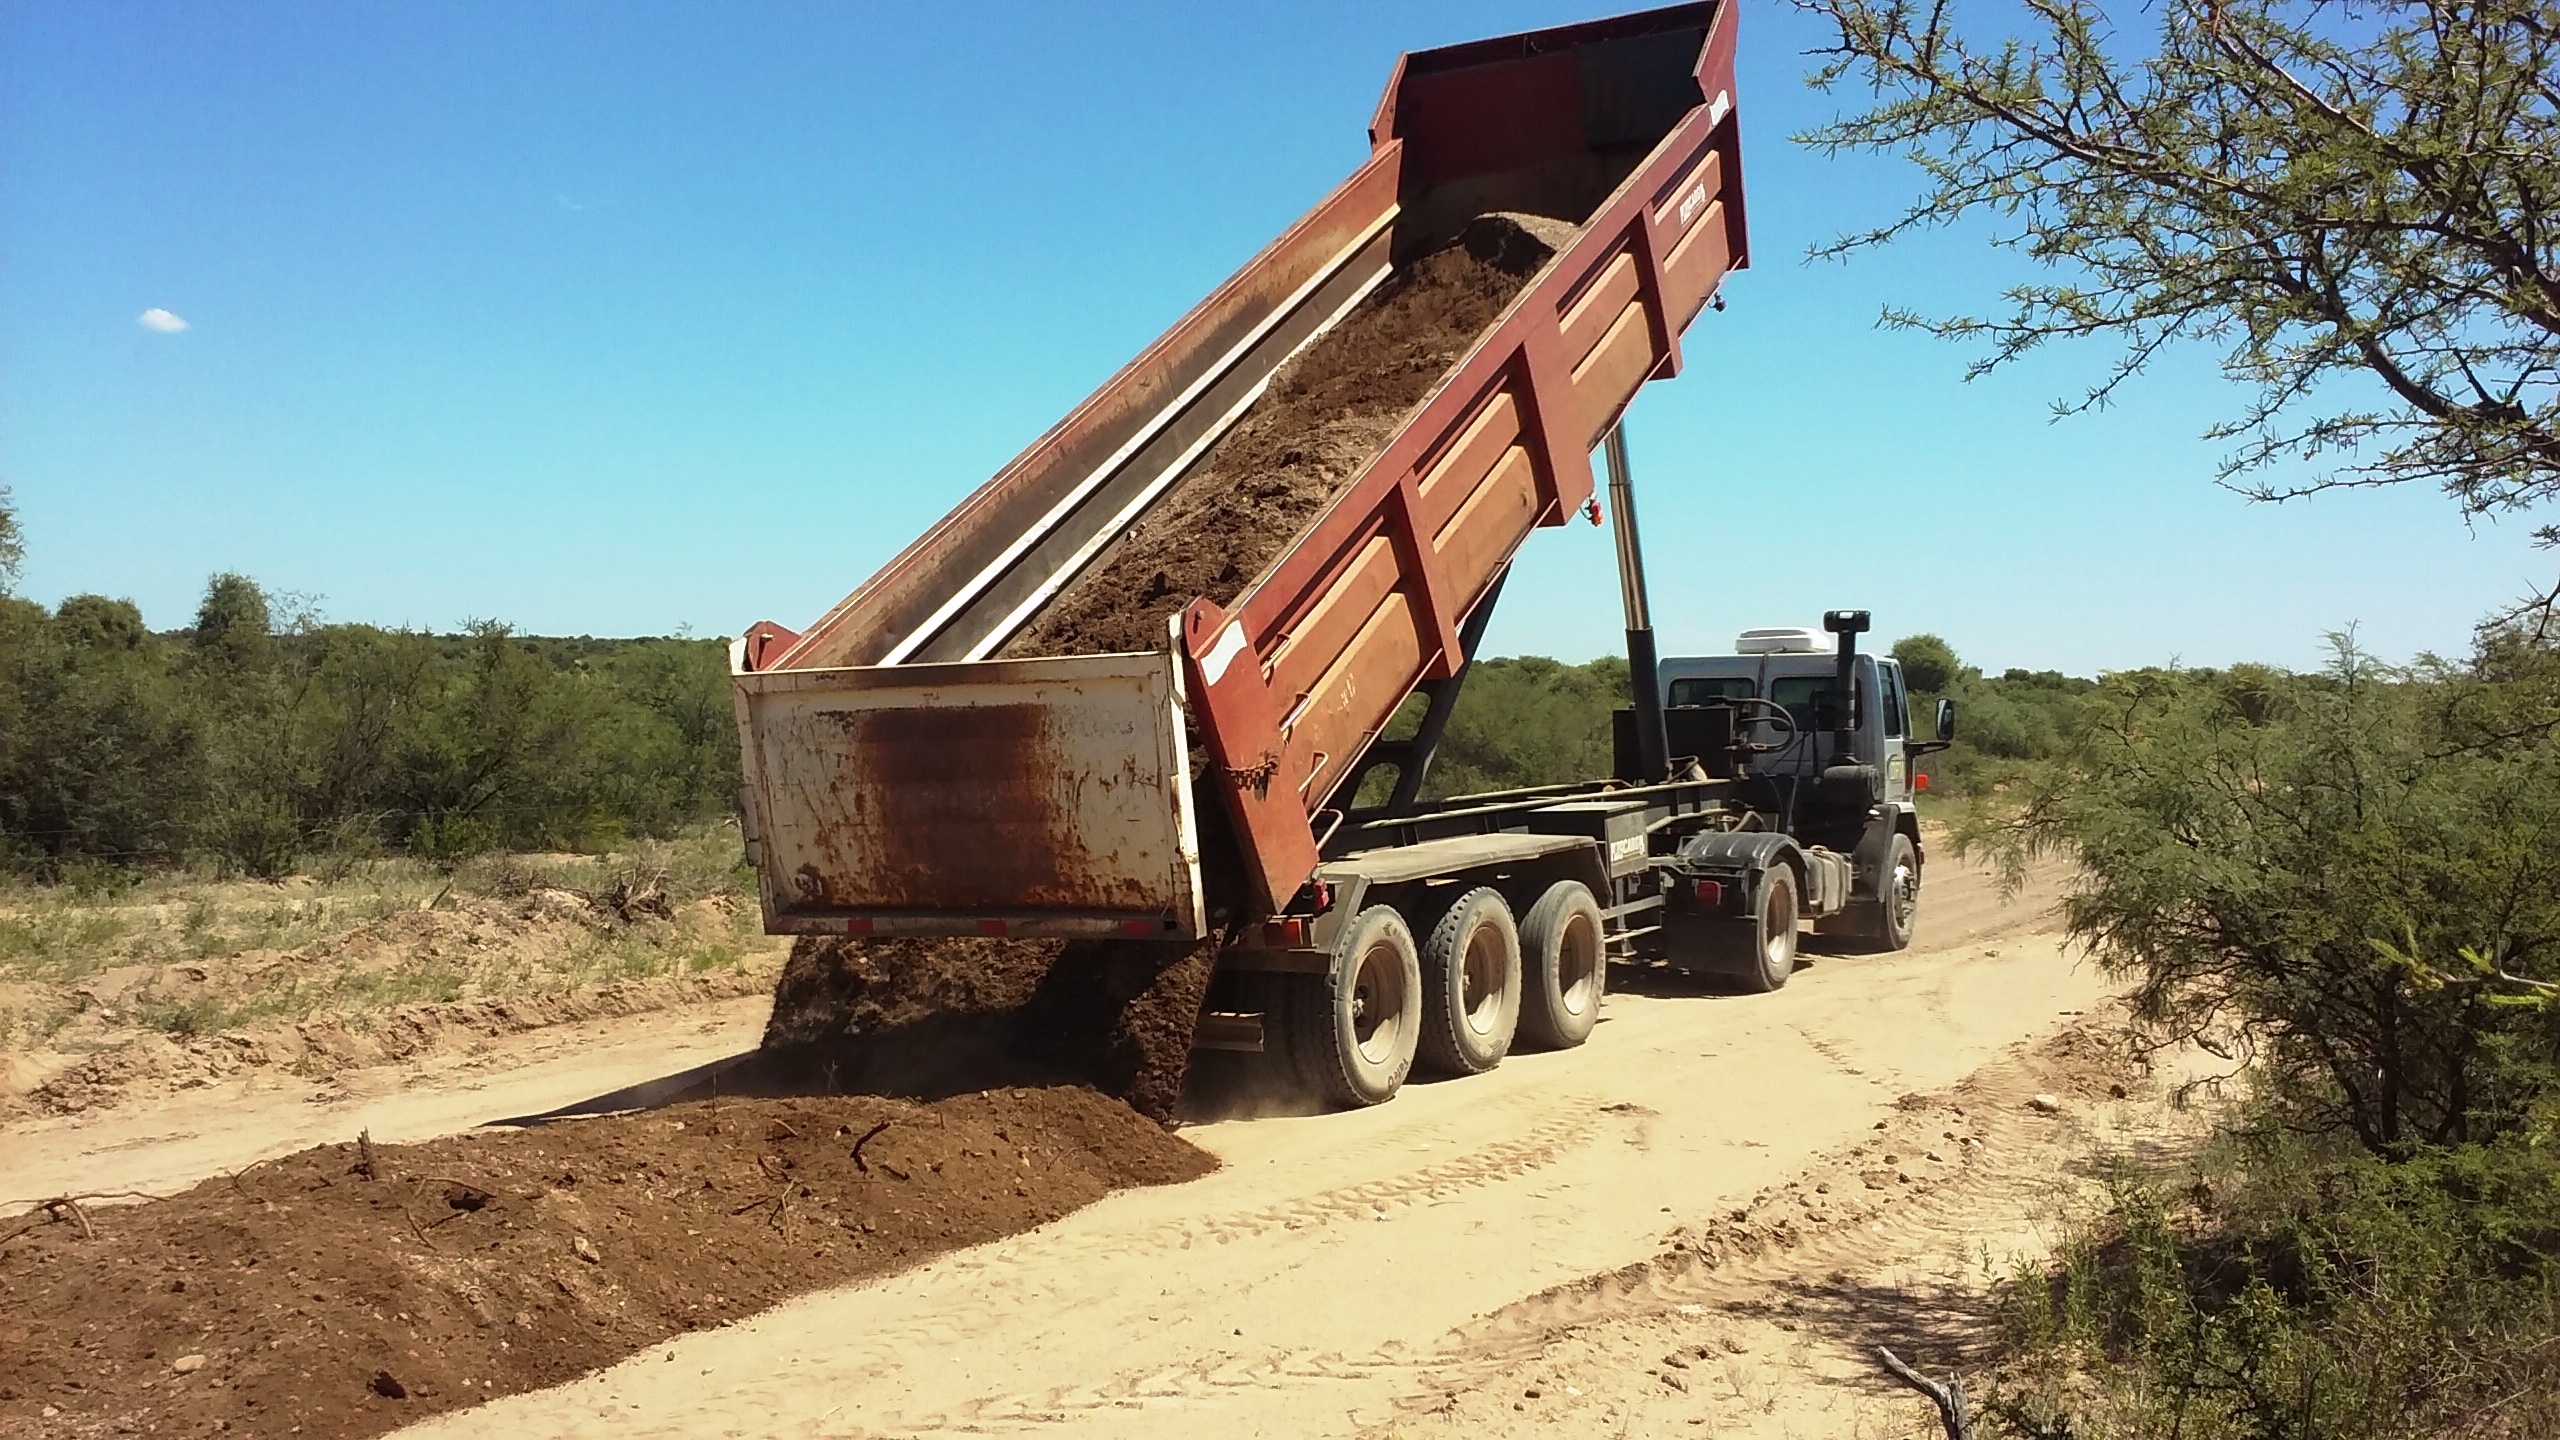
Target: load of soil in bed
1326, 414
344, 1292
940, 1016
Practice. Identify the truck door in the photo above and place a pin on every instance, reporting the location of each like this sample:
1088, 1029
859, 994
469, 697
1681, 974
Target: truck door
1891, 731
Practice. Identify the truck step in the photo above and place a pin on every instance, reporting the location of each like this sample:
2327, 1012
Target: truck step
1222, 1030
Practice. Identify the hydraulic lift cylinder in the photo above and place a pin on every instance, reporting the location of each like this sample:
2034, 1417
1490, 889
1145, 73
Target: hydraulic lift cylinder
1644, 675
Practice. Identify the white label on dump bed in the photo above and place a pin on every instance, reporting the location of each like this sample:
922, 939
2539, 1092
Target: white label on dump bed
1221, 655
1692, 203
1627, 849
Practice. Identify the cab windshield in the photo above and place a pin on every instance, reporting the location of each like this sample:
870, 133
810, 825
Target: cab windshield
1706, 690
1801, 696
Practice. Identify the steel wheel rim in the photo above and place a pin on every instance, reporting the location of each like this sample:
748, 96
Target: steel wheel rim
1777, 940
1377, 1004
1577, 963
1480, 977
1903, 897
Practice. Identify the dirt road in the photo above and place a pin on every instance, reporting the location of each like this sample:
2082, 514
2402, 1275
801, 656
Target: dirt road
1325, 1281
1425, 1268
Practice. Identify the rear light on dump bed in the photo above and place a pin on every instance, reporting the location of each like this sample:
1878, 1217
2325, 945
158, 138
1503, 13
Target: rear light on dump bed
1707, 892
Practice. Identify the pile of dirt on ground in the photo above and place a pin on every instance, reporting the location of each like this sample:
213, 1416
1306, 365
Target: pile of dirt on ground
1325, 415
940, 1016
346, 1291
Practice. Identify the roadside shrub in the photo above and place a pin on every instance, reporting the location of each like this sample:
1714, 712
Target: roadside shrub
2354, 876
98, 750
2346, 871
2298, 1290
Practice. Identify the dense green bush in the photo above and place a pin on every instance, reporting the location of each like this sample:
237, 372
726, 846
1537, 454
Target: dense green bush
254, 743
99, 752
2358, 871
1530, 721
2017, 715
2353, 877
2297, 1291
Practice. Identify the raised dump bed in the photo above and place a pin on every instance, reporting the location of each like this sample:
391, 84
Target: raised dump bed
909, 770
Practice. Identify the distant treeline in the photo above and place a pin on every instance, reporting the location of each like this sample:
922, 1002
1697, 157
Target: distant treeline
255, 742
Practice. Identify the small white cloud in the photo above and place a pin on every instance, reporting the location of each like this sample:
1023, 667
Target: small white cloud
164, 321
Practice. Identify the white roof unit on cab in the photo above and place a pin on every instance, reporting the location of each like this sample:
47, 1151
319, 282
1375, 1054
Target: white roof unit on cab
1792, 640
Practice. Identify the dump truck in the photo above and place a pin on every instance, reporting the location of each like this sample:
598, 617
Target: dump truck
1241, 781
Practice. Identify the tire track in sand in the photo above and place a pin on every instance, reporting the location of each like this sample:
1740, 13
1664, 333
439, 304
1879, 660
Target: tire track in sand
1002, 1280
2001, 1154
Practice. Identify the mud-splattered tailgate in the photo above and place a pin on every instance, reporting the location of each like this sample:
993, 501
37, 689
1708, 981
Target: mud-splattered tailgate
1043, 797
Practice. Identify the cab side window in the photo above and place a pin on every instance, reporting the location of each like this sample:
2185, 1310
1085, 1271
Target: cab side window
1807, 699
1896, 723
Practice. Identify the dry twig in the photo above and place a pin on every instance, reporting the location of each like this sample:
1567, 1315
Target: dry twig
1953, 1413
867, 1137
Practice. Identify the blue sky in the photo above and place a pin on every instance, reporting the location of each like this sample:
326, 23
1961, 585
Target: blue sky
625, 318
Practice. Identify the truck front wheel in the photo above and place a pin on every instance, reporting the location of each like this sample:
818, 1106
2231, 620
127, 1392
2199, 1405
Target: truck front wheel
1471, 985
1351, 1033
1899, 906
1564, 964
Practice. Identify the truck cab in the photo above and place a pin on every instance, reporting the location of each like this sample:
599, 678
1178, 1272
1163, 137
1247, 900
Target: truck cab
1794, 674
1833, 772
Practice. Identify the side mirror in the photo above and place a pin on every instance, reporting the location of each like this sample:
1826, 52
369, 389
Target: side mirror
1946, 720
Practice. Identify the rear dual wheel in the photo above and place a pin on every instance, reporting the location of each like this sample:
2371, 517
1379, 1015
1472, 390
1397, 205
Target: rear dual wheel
1471, 985
1352, 1033
1564, 963
1456, 1002
1760, 948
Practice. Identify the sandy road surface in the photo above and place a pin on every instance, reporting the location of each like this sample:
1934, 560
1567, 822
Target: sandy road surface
171, 1142
1764, 1325
1316, 1284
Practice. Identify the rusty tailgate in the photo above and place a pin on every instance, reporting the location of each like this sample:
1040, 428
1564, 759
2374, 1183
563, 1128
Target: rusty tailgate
1017, 797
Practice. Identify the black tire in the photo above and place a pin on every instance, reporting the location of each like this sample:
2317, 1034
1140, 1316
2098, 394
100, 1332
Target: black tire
1351, 1033
1897, 906
1760, 951
1470, 985
1564, 965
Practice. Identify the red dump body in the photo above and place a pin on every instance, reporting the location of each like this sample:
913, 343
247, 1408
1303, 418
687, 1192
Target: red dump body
1625, 126
1367, 605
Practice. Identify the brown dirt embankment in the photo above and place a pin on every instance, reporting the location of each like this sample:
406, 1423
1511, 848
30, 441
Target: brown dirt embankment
308, 1295
1326, 413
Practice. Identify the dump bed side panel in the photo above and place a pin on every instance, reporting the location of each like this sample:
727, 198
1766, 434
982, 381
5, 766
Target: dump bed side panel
1023, 797
1297, 678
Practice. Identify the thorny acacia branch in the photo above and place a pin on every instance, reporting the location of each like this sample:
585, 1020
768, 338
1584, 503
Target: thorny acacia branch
2332, 192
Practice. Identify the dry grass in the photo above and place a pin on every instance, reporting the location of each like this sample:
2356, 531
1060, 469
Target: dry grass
93, 965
